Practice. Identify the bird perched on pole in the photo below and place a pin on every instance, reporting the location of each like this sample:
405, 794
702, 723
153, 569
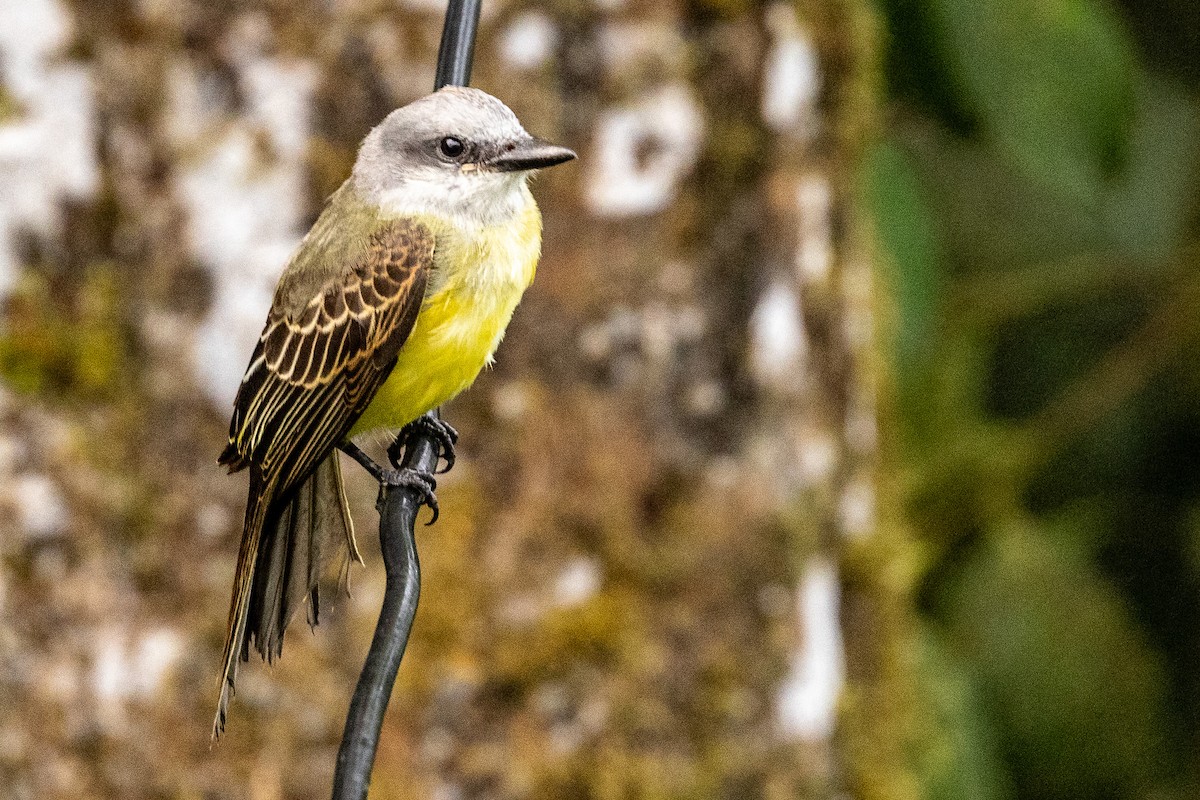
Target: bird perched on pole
391, 306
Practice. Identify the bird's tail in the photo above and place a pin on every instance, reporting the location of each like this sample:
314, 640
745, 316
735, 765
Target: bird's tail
311, 531
287, 545
258, 505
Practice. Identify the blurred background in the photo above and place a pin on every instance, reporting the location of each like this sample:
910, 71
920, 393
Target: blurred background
845, 446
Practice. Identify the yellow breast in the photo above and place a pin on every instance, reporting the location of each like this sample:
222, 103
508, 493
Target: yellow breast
479, 277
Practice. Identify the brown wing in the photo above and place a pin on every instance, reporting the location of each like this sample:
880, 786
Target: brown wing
314, 371
326, 349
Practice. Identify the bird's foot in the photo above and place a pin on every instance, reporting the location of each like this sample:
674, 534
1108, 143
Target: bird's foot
407, 478
399, 478
434, 427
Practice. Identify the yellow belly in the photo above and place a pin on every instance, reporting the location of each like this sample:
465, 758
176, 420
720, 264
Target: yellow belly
463, 319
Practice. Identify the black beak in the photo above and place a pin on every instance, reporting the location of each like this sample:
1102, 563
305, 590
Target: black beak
531, 153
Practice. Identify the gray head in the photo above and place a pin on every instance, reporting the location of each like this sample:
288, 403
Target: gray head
458, 151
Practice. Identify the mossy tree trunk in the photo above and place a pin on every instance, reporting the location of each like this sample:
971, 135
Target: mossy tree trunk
658, 571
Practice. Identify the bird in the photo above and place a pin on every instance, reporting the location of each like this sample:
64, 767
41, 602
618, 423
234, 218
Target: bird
392, 304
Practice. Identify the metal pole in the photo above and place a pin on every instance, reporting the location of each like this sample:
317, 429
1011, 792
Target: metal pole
398, 507
458, 43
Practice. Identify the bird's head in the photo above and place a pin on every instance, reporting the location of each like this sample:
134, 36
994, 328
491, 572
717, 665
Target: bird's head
458, 152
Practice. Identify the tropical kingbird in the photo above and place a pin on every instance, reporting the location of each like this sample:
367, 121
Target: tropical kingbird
393, 303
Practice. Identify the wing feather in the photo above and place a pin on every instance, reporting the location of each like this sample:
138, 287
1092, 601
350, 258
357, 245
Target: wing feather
315, 370
329, 343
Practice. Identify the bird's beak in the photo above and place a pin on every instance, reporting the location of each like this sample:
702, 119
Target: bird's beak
531, 153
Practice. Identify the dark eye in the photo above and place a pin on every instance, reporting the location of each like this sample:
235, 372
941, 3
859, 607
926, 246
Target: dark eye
451, 147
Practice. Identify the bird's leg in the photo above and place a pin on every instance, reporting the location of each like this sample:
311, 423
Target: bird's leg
434, 427
354, 451
396, 478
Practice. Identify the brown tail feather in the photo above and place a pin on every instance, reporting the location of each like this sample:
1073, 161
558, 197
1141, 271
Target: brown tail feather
343, 506
306, 531
312, 531
331, 540
258, 504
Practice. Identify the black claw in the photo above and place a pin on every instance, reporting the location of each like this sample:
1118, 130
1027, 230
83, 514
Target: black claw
423, 482
400, 477
447, 437
436, 428
395, 451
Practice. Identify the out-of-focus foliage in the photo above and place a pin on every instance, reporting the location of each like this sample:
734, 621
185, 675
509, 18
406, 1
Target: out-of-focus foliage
1036, 202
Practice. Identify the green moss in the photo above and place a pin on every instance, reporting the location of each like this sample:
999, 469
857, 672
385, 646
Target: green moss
33, 348
593, 632
99, 351
74, 346
728, 9
10, 107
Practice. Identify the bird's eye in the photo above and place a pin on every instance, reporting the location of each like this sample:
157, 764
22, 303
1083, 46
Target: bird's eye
451, 147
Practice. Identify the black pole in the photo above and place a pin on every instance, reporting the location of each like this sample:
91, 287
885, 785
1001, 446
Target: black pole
398, 507
458, 43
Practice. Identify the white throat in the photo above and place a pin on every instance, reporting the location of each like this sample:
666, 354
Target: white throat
472, 200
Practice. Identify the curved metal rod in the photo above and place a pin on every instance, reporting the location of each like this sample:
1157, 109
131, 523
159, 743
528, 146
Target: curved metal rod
398, 507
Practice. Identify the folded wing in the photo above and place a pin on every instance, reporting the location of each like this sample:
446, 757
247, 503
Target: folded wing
318, 363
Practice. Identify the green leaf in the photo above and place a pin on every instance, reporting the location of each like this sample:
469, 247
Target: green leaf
911, 269
961, 757
1148, 207
996, 219
909, 251
1051, 82
1076, 684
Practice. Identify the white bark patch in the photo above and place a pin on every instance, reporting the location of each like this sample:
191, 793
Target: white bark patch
807, 701
578, 582
857, 508
213, 521
707, 398
124, 671
862, 427
47, 149
40, 509
31, 33
529, 41
814, 251
244, 203
818, 457
510, 401
643, 151
657, 332
791, 76
447, 791
778, 344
